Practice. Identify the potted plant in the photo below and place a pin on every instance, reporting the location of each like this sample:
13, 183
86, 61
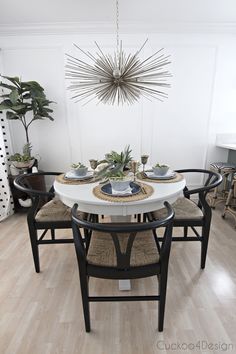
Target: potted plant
160, 169
79, 169
26, 102
116, 166
119, 181
24, 160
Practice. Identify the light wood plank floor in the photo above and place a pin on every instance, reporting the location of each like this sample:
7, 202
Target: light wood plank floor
42, 313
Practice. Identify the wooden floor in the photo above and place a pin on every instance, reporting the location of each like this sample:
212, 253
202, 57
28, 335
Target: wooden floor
42, 313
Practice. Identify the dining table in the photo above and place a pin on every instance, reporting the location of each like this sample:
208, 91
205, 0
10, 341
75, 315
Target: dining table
88, 202
119, 209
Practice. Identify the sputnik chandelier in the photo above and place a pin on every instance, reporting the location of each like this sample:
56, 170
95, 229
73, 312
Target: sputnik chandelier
120, 78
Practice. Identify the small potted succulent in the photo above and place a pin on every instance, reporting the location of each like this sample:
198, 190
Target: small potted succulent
160, 169
79, 169
23, 161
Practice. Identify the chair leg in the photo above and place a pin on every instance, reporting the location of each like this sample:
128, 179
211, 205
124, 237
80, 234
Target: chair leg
204, 245
162, 301
84, 293
35, 247
185, 231
53, 234
214, 197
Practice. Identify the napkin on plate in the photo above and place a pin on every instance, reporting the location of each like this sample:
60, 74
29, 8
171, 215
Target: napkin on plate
126, 191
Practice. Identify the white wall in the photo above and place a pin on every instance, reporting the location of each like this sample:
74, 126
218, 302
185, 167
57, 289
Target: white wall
180, 131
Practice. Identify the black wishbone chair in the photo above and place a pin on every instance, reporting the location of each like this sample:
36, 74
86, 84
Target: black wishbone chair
46, 213
122, 251
193, 213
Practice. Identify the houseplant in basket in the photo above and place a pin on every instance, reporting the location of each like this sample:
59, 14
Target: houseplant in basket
26, 102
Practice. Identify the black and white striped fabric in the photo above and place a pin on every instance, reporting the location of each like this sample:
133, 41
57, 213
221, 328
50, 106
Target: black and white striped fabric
6, 200
222, 166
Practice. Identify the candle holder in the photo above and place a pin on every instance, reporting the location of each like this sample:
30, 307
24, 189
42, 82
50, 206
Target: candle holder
134, 168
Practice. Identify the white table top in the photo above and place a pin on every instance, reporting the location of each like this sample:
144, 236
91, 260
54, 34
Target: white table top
82, 194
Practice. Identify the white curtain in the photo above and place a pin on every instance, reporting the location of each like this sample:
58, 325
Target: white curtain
6, 201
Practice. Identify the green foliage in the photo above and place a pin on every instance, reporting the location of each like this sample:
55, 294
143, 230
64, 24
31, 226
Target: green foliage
25, 157
23, 98
116, 163
115, 174
121, 159
20, 158
160, 165
27, 149
77, 165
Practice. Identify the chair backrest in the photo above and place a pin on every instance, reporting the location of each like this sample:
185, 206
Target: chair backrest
115, 230
210, 180
38, 186
28, 183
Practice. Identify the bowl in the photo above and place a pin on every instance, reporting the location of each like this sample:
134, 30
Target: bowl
23, 164
81, 171
119, 185
160, 170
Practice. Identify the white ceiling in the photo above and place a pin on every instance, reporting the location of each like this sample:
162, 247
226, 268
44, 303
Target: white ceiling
23, 12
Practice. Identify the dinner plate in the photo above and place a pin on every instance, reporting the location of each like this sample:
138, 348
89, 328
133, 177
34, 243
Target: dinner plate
169, 175
134, 189
72, 175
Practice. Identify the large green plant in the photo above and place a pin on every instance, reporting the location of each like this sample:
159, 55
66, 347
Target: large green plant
25, 101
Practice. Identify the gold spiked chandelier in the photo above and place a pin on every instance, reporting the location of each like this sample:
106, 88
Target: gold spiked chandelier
119, 78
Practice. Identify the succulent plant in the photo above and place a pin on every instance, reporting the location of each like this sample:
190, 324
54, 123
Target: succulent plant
78, 165
116, 163
160, 165
25, 157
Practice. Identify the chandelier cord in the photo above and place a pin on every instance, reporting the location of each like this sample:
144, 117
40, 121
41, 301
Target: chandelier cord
117, 26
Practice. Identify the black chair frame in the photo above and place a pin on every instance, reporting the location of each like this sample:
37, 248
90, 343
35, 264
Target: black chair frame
212, 180
39, 198
123, 269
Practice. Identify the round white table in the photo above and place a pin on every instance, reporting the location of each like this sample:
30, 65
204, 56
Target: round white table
82, 194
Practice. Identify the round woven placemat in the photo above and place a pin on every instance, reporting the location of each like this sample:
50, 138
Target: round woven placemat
61, 179
145, 192
177, 178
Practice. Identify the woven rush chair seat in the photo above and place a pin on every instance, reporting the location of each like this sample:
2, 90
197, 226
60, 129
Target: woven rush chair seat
122, 251
194, 215
55, 210
184, 208
47, 213
102, 250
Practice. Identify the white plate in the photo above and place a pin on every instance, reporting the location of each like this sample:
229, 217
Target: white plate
169, 175
72, 175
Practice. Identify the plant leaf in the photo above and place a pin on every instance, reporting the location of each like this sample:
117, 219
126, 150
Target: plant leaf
10, 87
14, 96
12, 115
15, 80
5, 104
